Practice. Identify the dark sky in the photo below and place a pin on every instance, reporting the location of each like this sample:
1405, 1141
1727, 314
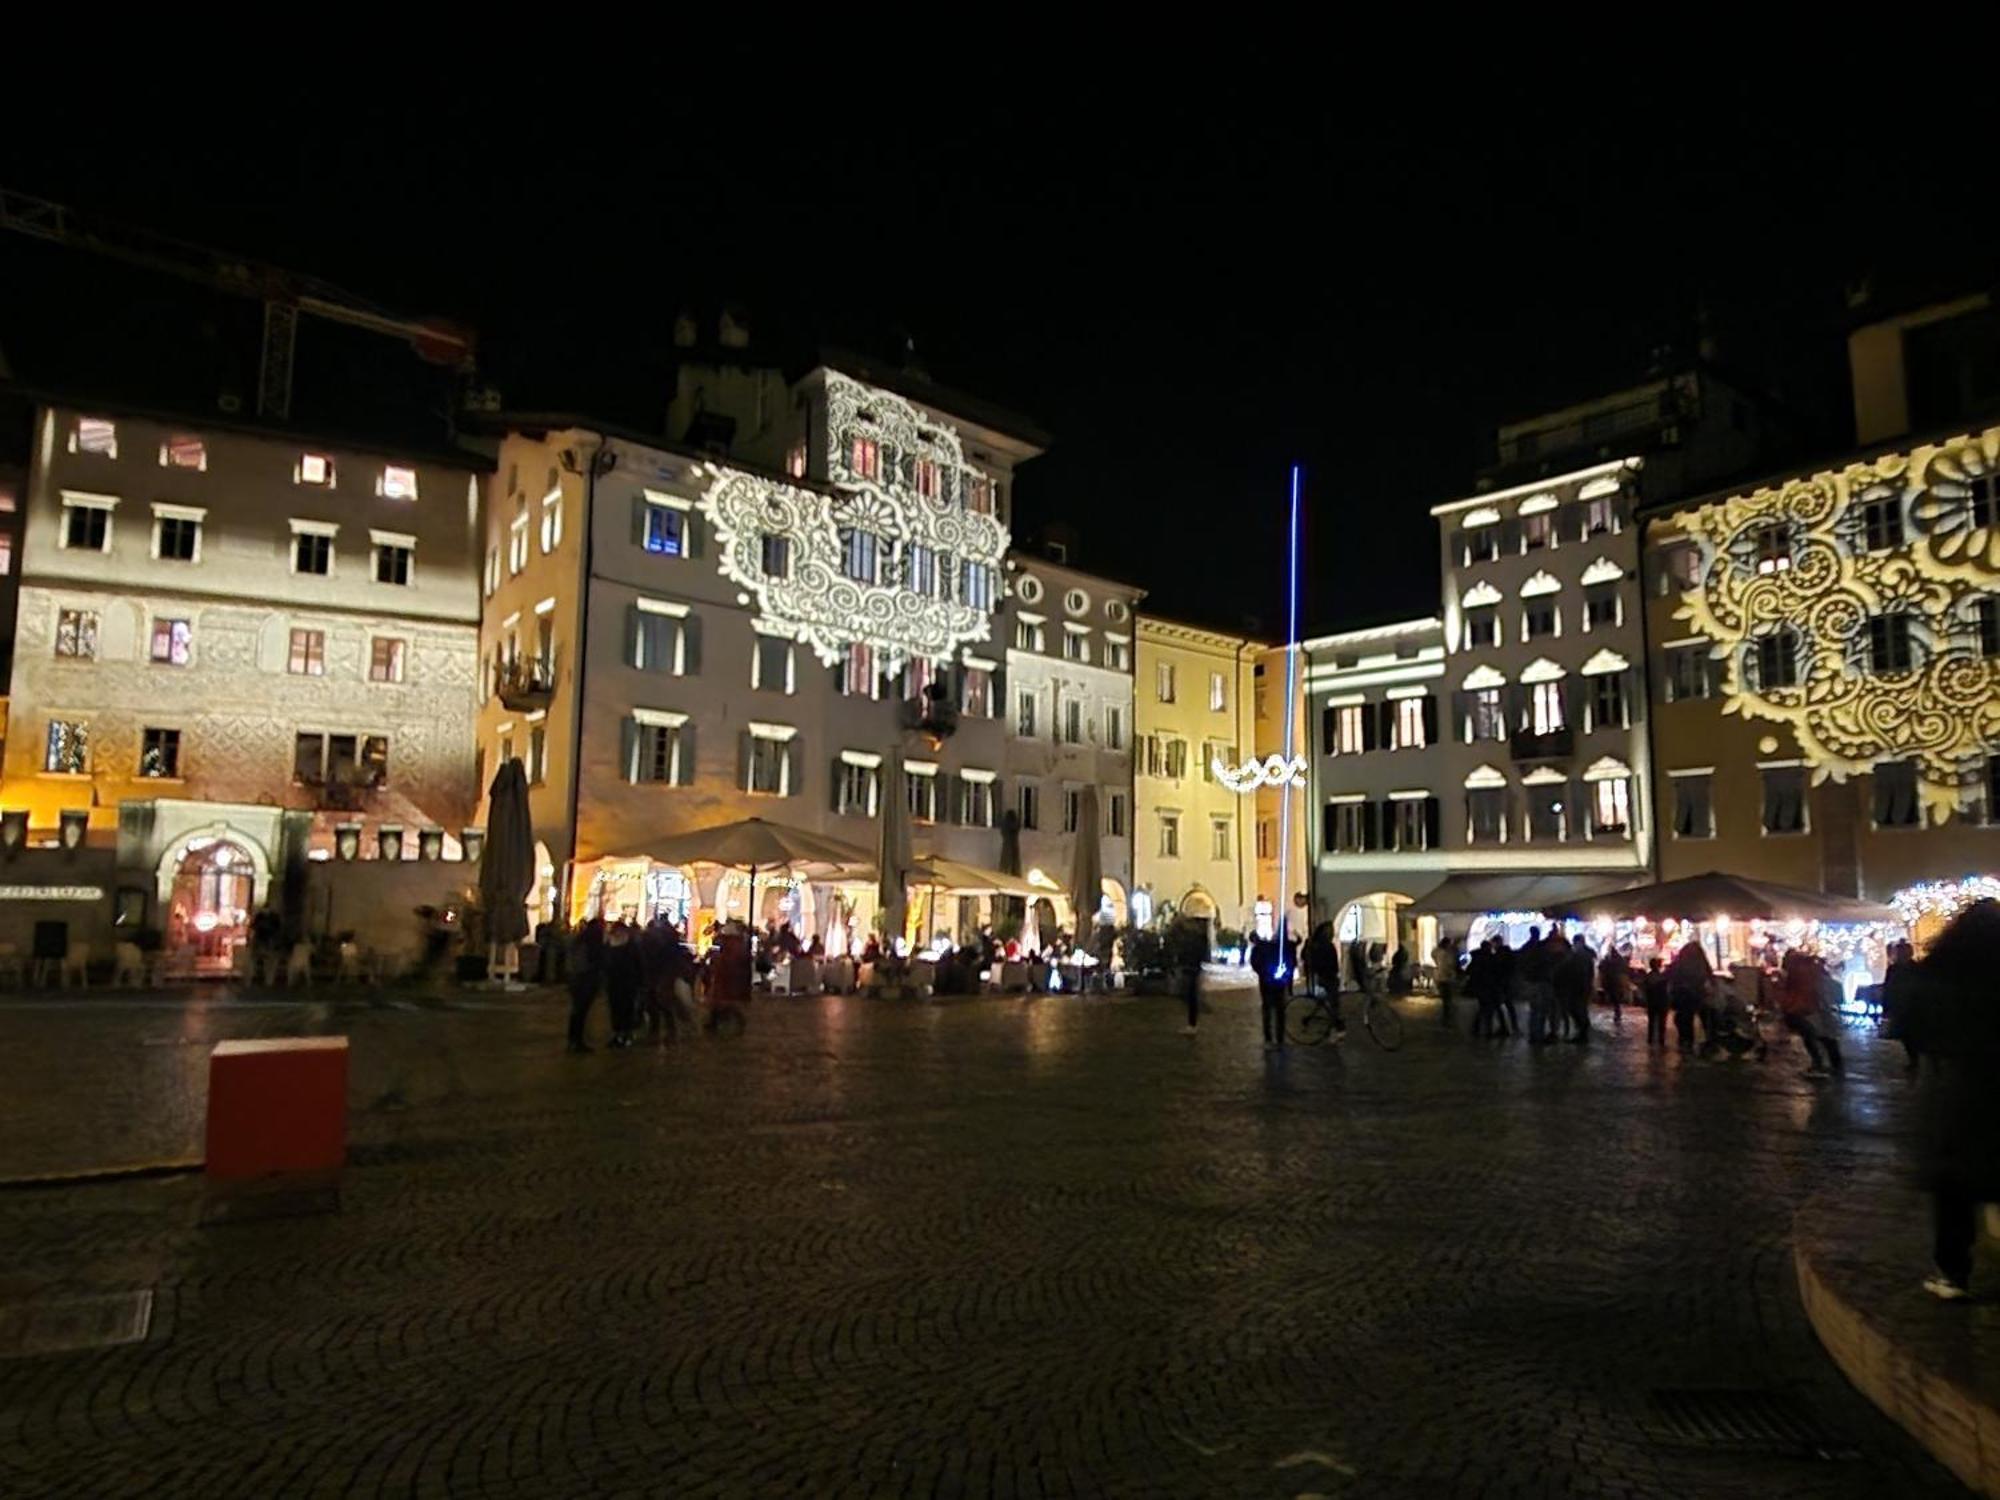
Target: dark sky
1191, 270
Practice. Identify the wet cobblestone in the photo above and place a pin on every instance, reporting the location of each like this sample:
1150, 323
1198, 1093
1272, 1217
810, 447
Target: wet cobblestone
1027, 1248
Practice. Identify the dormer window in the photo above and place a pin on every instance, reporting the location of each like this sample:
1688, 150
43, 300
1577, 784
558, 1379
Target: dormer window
314, 468
399, 484
180, 452
97, 435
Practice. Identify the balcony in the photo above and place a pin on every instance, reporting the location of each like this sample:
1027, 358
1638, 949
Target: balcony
1556, 744
526, 684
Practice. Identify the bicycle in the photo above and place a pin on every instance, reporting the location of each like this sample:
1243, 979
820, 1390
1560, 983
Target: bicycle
1314, 1023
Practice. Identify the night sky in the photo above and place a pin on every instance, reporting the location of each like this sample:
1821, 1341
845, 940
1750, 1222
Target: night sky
1190, 271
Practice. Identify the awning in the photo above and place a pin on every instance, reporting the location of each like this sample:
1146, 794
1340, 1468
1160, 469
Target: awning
1699, 897
962, 879
1479, 894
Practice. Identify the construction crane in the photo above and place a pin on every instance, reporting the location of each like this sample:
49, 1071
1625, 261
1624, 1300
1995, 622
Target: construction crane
285, 294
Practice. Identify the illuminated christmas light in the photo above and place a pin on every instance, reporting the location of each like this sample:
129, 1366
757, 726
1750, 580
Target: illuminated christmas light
1273, 770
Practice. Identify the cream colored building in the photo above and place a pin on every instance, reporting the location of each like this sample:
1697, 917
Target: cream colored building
674, 640
232, 642
1196, 842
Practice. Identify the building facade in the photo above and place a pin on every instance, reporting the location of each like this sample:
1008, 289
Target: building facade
1544, 725
1195, 845
232, 644
674, 640
1069, 654
1381, 778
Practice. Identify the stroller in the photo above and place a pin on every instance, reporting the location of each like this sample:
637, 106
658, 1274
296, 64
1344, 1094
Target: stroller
1736, 1020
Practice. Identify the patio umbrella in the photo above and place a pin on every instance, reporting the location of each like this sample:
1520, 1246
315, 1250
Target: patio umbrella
1552, 895
1086, 871
892, 863
962, 879
1703, 896
507, 862
753, 845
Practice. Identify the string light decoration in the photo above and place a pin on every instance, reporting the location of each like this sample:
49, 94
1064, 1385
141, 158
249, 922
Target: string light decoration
1273, 770
1943, 899
1820, 557
930, 566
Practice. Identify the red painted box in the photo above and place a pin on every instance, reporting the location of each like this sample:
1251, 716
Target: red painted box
277, 1105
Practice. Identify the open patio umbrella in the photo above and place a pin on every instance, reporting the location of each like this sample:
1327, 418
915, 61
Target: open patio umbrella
962, 879
506, 863
892, 860
1551, 895
1699, 897
754, 845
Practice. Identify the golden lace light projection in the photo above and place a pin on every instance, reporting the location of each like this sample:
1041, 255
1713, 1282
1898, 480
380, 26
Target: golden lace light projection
1854, 607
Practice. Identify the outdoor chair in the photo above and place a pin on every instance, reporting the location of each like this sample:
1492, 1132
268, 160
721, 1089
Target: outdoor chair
128, 969
76, 964
10, 965
298, 967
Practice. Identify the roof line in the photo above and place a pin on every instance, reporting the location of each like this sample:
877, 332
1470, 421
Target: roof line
1549, 481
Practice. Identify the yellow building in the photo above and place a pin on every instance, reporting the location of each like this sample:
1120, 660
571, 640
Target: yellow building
1195, 847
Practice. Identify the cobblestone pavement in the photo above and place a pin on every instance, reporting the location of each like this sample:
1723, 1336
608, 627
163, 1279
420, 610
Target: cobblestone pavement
1015, 1248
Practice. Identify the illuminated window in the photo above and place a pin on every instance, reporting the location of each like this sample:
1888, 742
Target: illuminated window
86, 527
795, 461
978, 585
1890, 645
1773, 549
858, 677
314, 468
926, 478
517, 544
1600, 516
1895, 787
979, 495
1482, 626
1784, 799
865, 457
1611, 806
1028, 799
1412, 723
398, 483
1537, 531
160, 753
976, 693
385, 659
492, 571
394, 563
1344, 729
775, 555
312, 553
665, 531
184, 453
551, 521
67, 750
860, 554
1694, 806
1485, 715
1545, 708
1882, 523
308, 654
1163, 682
173, 641
76, 634
98, 435
6, 553
1028, 635
1218, 693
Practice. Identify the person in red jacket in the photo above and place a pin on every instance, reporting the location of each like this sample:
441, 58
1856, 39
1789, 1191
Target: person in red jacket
1801, 983
729, 970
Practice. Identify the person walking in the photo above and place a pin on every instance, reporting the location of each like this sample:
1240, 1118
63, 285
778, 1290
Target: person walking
1957, 1026
1688, 979
1898, 986
1575, 971
585, 972
1799, 999
1322, 961
1533, 962
1614, 978
623, 975
1445, 976
1654, 990
729, 978
1271, 962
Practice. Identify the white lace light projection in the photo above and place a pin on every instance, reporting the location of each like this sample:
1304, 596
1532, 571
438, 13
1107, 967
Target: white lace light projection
906, 561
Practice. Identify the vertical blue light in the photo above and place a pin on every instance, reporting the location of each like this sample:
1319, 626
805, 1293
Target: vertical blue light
1284, 894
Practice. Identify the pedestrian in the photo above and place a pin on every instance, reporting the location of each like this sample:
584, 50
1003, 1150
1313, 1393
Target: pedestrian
1688, 979
1957, 1027
623, 975
1614, 978
1533, 962
1445, 976
663, 962
585, 973
729, 975
1272, 961
1322, 961
1654, 989
1483, 980
1799, 1001
267, 944
1571, 977
1898, 985
1192, 979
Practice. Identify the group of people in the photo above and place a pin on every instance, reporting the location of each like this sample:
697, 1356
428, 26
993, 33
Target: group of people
649, 971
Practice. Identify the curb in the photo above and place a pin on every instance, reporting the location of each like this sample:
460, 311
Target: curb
1954, 1424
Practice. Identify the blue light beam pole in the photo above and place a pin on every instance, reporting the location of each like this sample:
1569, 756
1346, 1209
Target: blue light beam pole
1291, 729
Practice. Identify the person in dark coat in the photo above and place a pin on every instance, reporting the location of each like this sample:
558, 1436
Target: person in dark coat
1956, 1023
1897, 987
1614, 978
586, 973
1322, 960
1534, 963
729, 978
1688, 978
1571, 978
1654, 989
1272, 961
623, 975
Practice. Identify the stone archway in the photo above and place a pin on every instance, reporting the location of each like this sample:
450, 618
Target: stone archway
212, 880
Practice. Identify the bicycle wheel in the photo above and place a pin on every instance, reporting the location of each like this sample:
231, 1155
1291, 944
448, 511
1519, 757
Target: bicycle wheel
1308, 1023
1384, 1024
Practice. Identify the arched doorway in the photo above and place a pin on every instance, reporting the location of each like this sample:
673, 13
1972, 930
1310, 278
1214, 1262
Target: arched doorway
1380, 917
1114, 897
209, 903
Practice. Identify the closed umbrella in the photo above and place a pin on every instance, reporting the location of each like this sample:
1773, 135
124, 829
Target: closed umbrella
506, 866
1086, 871
892, 863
